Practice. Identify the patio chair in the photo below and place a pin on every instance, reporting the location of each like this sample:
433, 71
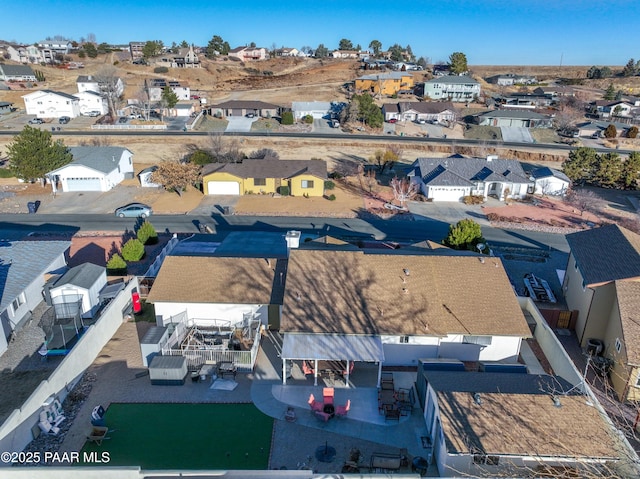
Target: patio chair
307, 368
327, 395
343, 410
386, 381
315, 405
391, 413
323, 416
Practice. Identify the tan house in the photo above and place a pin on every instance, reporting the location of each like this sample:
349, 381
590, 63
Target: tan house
248, 53
244, 107
602, 283
266, 176
385, 83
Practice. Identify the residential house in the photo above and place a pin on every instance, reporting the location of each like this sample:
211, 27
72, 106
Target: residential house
510, 79
136, 50
613, 109
440, 112
350, 54
185, 58
24, 53
5, 107
77, 291
243, 107
602, 283
91, 101
51, 104
24, 266
247, 54
517, 118
537, 433
597, 128
53, 51
317, 109
157, 85
441, 70
287, 52
266, 176
555, 91
93, 168
95, 84
19, 73
548, 181
451, 179
452, 88
385, 83
524, 100
396, 308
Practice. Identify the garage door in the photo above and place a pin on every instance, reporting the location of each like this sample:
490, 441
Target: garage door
448, 194
84, 184
237, 111
223, 187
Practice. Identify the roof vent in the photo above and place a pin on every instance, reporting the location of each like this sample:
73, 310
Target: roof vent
481, 259
405, 290
298, 296
477, 399
492, 157
405, 271
556, 401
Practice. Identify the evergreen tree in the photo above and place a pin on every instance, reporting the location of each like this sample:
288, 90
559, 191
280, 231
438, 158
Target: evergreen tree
581, 164
458, 63
33, 153
466, 234
610, 92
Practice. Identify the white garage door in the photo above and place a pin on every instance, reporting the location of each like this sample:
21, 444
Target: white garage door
223, 187
448, 194
84, 184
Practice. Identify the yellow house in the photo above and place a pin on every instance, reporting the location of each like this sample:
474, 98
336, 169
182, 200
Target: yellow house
385, 83
302, 177
602, 283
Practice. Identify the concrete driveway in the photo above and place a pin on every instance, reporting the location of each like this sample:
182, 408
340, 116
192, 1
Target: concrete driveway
239, 123
89, 202
447, 211
518, 134
320, 125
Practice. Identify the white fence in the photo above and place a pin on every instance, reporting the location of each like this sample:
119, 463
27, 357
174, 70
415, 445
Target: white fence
128, 127
152, 271
15, 432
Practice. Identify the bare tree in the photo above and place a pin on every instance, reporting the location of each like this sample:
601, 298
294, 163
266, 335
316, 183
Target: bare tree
110, 87
582, 200
225, 150
264, 153
370, 179
403, 189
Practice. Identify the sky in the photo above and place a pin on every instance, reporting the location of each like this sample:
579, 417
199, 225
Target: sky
488, 32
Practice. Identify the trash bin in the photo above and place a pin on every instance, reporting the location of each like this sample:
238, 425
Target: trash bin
32, 206
226, 210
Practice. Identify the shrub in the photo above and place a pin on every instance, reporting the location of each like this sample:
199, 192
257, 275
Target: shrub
116, 266
201, 157
632, 132
473, 200
329, 185
133, 250
331, 197
287, 118
610, 132
147, 233
308, 119
161, 70
284, 190
6, 173
335, 175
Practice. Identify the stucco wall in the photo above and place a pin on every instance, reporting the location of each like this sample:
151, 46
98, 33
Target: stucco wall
298, 190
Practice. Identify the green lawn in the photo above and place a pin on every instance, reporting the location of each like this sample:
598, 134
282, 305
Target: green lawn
186, 436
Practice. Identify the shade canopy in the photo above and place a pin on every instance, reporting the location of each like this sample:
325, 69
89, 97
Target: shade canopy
335, 347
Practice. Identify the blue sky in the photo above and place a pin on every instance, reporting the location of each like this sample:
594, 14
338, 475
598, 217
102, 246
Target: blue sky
489, 32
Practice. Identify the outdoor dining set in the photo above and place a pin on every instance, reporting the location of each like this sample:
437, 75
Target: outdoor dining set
326, 409
393, 402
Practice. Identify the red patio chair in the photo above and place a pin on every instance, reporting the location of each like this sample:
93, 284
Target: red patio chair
323, 416
315, 406
343, 410
307, 368
327, 395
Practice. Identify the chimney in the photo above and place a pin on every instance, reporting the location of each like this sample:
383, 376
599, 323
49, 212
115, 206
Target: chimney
492, 157
293, 239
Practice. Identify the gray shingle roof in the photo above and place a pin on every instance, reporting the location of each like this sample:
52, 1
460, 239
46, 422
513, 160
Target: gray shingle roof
83, 276
100, 158
16, 70
546, 172
453, 79
62, 94
385, 76
466, 171
527, 114
606, 254
267, 168
428, 107
246, 105
21, 262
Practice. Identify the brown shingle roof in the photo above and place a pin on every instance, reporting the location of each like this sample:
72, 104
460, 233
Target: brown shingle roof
628, 295
246, 105
268, 168
524, 424
428, 107
190, 279
355, 293
606, 254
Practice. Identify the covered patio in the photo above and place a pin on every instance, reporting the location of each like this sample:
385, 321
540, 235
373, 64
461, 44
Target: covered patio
314, 349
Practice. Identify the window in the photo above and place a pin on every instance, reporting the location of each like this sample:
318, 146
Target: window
307, 183
484, 459
404, 339
481, 340
618, 345
260, 182
19, 301
575, 264
492, 460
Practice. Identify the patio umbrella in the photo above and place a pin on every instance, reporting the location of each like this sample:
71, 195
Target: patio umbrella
325, 453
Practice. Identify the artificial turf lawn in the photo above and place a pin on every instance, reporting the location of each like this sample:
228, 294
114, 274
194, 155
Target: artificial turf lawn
186, 436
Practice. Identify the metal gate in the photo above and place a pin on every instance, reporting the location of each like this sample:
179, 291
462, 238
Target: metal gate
564, 318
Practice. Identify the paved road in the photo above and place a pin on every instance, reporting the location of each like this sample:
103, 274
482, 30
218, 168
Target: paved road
401, 231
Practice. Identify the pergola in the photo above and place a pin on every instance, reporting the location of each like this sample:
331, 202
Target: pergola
331, 347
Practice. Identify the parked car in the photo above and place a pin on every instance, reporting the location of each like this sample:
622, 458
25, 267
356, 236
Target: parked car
94, 113
250, 115
36, 121
195, 97
63, 120
123, 119
393, 120
134, 210
134, 116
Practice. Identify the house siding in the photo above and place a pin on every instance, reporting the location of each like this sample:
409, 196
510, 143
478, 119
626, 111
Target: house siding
205, 314
601, 305
298, 190
577, 298
619, 375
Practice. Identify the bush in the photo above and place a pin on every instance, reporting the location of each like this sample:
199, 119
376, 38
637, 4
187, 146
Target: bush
632, 132
308, 119
335, 175
6, 173
161, 70
287, 118
473, 200
331, 197
116, 266
284, 190
147, 233
201, 157
329, 185
610, 132
133, 250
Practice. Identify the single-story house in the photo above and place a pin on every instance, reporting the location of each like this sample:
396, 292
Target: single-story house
451, 179
317, 109
524, 100
452, 88
145, 177
51, 104
420, 111
91, 101
396, 308
286, 52
19, 73
242, 107
303, 177
611, 109
517, 118
509, 79
5, 107
602, 282
498, 424
93, 168
548, 181
555, 91
24, 266
76, 291
385, 83
248, 53
590, 128
95, 84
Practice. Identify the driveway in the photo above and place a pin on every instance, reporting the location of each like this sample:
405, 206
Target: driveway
447, 211
518, 134
89, 202
320, 125
214, 204
239, 123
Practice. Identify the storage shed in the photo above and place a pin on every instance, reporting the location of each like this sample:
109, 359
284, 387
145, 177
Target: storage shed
168, 370
79, 287
152, 342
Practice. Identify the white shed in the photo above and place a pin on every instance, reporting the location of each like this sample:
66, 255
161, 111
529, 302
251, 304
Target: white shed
78, 287
145, 177
550, 182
